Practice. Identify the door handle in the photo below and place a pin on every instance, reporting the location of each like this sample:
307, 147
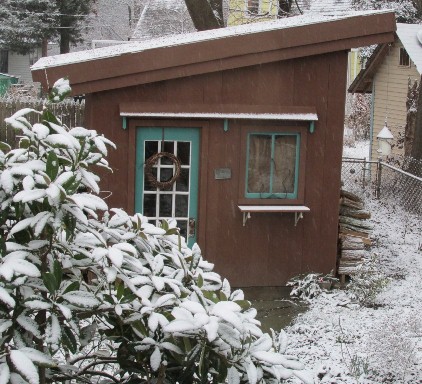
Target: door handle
192, 227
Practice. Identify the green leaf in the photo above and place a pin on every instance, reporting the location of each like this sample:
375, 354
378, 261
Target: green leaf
69, 339
72, 287
172, 231
222, 295
210, 295
24, 143
49, 117
58, 272
244, 304
52, 167
4, 147
120, 290
140, 327
50, 282
200, 281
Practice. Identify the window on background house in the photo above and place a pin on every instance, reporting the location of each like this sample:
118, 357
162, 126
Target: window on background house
272, 165
4, 61
253, 6
404, 59
33, 57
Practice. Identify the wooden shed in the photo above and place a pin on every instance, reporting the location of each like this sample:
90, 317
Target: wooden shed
251, 116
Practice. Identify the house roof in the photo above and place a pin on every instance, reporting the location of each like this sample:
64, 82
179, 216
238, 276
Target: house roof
161, 18
407, 34
331, 7
210, 51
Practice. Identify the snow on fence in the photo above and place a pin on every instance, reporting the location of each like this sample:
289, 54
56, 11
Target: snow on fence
70, 112
384, 181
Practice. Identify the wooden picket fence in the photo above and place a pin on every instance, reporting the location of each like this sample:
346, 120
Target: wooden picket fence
70, 112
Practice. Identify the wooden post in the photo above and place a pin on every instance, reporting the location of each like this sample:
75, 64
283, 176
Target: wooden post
378, 181
364, 173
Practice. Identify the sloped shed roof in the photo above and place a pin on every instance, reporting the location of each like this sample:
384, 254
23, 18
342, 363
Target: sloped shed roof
407, 34
210, 51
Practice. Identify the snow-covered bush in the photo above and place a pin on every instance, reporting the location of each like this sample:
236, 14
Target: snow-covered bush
91, 294
367, 282
359, 118
308, 286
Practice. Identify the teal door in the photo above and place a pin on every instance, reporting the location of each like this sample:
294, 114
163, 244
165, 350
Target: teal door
178, 200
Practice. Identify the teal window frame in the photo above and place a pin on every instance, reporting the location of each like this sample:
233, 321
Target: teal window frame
270, 194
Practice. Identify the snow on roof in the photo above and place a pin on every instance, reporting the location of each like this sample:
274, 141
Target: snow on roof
407, 34
189, 38
244, 116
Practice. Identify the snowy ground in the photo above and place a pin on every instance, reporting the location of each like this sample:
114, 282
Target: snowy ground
341, 341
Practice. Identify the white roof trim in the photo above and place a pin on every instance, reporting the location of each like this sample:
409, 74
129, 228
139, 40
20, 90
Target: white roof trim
244, 116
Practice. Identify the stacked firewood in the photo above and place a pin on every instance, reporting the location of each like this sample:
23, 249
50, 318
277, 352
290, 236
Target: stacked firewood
354, 232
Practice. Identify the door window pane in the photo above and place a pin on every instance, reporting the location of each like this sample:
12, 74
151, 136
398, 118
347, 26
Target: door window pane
168, 146
150, 201
166, 205
183, 152
166, 174
147, 185
183, 225
182, 183
182, 205
151, 147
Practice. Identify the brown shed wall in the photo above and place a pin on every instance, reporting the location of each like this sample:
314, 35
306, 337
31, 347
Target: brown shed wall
269, 249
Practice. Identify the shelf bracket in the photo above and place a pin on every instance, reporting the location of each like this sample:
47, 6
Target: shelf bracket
298, 216
246, 217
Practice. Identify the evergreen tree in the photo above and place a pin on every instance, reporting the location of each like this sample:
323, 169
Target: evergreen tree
407, 11
26, 24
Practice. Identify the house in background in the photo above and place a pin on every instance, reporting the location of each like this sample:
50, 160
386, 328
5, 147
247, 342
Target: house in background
18, 65
163, 18
237, 133
386, 76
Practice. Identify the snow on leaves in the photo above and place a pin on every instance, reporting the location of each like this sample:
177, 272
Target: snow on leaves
109, 281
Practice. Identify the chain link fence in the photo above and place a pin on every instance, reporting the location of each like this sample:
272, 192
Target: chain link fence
385, 181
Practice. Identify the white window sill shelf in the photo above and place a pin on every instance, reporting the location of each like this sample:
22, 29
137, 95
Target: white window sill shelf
298, 210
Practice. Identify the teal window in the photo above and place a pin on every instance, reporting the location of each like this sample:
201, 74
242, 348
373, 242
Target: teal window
272, 165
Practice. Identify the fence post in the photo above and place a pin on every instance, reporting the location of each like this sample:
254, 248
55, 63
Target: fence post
364, 173
378, 180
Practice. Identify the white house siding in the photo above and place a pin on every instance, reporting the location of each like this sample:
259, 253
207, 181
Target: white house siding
19, 65
390, 87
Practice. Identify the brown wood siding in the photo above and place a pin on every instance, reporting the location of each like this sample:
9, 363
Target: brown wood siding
269, 249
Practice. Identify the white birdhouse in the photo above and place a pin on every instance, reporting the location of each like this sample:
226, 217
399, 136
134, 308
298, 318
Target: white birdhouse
385, 140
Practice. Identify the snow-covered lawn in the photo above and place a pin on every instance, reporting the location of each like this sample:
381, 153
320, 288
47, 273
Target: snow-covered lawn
343, 342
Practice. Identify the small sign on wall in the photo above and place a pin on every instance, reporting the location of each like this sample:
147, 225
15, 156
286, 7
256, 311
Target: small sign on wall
222, 174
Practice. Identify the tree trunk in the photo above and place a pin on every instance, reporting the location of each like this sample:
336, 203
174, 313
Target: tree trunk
44, 48
203, 16
284, 7
64, 41
411, 107
416, 152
